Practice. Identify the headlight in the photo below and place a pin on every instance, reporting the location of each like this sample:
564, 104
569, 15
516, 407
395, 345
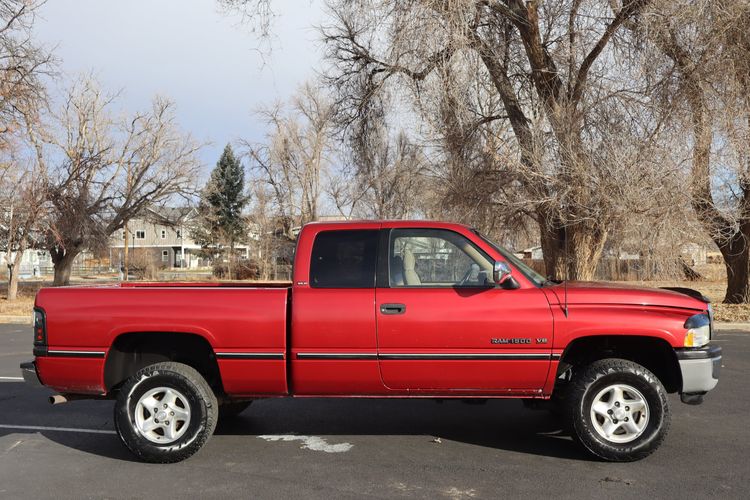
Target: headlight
698, 330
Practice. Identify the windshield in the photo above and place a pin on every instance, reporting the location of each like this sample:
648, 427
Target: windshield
530, 274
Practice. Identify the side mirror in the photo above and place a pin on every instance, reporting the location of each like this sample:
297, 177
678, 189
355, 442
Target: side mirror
501, 273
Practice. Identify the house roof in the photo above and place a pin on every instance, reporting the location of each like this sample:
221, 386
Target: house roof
169, 215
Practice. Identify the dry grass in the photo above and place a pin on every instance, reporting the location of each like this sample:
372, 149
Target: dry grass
713, 289
23, 304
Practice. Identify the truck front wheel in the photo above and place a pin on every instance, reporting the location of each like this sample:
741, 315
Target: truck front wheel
618, 410
165, 412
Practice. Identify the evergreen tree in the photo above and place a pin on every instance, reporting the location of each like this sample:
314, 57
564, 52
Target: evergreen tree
221, 224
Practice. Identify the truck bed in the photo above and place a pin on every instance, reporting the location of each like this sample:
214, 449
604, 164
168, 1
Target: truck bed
245, 325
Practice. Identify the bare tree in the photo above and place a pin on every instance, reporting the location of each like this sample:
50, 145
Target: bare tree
547, 67
271, 241
385, 174
294, 158
22, 205
23, 63
257, 15
102, 171
709, 50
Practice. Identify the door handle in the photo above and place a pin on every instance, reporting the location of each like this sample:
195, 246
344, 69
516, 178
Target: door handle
392, 308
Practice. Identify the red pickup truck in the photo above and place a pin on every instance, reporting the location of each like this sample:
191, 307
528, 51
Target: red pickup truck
378, 309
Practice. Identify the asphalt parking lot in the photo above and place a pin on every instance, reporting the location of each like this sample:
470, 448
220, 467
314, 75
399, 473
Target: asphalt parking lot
329, 448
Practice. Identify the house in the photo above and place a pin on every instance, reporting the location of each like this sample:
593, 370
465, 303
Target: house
533, 253
33, 262
694, 253
163, 233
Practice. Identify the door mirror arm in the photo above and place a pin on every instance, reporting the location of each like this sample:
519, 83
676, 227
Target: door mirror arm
502, 275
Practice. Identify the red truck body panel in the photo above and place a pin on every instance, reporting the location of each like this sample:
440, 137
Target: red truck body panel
275, 340
233, 320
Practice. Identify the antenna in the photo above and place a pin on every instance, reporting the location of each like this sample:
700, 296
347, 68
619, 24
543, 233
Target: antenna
567, 272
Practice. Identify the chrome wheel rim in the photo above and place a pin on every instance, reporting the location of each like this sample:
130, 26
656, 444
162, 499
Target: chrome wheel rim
162, 415
619, 413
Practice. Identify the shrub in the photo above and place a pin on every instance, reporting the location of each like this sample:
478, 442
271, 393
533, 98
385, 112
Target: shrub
242, 269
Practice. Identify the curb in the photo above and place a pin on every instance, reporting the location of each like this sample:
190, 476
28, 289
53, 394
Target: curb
732, 326
17, 320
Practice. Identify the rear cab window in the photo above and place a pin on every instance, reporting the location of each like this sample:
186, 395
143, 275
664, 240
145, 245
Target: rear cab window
344, 259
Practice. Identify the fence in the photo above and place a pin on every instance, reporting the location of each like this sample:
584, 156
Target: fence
613, 269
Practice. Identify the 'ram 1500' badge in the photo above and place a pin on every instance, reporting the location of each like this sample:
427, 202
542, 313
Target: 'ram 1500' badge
518, 340
511, 341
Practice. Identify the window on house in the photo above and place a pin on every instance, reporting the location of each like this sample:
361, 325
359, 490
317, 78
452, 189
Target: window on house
179, 233
164, 234
124, 235
165, 255
140, 235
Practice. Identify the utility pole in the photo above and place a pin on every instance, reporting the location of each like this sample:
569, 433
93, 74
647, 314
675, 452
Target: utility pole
125, 239
127, 229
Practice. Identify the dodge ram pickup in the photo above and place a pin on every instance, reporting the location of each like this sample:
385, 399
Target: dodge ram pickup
382, 309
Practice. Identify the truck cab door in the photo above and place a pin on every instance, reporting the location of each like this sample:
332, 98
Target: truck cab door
443, 327
333, 339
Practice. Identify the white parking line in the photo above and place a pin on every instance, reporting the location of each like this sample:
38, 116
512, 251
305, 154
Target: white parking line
11, 378
57, 429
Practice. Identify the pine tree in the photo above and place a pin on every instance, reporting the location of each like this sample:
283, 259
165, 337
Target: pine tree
221, 224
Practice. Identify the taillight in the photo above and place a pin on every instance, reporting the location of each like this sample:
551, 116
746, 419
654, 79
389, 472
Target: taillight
40, 328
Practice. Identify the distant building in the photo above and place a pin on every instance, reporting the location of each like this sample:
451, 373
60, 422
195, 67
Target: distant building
165, 233
694, 253
33, 263
533, 253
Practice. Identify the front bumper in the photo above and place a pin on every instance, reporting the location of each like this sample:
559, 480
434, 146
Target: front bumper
700, 369
30, 376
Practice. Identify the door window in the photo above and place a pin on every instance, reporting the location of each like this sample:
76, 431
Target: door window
436, 258
344, 259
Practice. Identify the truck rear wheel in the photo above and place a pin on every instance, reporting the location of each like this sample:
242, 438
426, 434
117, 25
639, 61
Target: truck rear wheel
618, 410
165, 412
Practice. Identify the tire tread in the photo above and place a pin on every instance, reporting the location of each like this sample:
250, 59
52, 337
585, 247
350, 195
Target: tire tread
145, 453
579, 386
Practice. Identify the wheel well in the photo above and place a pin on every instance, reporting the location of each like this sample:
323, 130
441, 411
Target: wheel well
653, 353
132, 351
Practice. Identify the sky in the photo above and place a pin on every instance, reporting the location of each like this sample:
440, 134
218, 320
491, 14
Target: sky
199, 56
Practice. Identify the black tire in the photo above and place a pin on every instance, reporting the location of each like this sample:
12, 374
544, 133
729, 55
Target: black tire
595, 378
232, 409
203, 409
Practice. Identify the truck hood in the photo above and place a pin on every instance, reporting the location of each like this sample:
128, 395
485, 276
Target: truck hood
593, 292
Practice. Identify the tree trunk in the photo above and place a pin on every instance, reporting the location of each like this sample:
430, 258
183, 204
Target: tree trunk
587, 244
63, 261
570, 252
736, 253
552, 238
12, 283
13, 273
229, 262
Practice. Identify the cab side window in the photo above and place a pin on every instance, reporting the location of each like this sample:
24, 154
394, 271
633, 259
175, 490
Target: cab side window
436, 258
344, 259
